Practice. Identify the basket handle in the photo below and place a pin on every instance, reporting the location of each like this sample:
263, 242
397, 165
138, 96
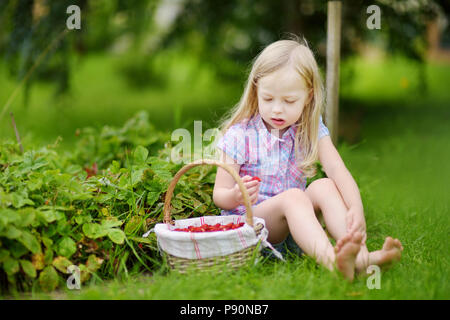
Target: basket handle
237, 178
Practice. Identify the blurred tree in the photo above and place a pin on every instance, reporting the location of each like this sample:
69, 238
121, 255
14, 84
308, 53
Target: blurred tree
224, 34
238, 29
27, 28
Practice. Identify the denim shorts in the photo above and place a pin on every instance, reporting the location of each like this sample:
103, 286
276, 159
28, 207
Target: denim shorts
288, 245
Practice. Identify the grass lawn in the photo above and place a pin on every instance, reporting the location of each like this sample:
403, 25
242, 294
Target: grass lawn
401, 164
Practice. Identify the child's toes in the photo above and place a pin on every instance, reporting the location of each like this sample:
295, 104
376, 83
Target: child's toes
340, 242
388, 243
357, 237
347, 237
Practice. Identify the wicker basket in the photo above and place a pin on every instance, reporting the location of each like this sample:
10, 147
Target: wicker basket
234, 260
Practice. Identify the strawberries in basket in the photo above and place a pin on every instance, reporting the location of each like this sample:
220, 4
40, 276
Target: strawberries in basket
211, 228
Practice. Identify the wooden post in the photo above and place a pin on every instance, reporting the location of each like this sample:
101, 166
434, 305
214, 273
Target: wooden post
332, 77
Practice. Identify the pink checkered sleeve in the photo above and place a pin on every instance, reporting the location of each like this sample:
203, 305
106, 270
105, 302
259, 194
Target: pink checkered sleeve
323, 130
233, 143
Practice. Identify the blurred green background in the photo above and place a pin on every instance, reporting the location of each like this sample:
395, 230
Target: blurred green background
186, 60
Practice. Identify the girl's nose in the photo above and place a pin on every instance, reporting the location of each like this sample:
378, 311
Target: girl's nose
277, 108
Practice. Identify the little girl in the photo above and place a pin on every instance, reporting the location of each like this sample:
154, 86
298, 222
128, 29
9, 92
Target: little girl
276, 133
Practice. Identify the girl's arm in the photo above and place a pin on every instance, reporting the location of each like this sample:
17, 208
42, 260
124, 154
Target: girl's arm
226, 194
336, 170
223, 194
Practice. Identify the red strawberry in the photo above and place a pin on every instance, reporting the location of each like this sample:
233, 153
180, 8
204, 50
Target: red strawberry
211, 228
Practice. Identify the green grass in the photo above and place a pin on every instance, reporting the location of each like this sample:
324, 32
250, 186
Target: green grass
395, 81
401, 165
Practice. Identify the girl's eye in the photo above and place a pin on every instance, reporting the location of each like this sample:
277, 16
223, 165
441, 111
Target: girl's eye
290, 102
267, 99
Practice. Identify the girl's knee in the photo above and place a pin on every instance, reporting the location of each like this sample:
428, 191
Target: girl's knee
295, 195
322, 185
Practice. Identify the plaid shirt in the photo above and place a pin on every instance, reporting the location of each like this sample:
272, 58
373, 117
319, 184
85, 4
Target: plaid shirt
263, 155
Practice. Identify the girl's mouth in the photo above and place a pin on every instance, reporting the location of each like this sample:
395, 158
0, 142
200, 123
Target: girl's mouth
277, 121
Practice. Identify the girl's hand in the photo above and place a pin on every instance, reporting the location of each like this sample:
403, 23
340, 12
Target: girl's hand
252, 186
356, 222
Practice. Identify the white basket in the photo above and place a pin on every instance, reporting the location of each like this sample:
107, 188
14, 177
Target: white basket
204, 249
200, 245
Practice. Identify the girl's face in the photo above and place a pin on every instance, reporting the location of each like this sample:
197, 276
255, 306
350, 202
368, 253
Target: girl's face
281, 98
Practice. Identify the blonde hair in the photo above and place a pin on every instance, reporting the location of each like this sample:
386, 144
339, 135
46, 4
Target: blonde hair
275, 56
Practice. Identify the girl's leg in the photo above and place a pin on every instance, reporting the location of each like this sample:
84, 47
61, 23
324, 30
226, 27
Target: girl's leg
293, 211
326, 198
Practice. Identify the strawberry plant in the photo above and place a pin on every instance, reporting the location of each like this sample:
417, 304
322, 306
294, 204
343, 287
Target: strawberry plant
90, 207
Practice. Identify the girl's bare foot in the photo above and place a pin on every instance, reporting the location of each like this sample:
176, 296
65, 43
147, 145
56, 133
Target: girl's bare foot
391, 252
346, 250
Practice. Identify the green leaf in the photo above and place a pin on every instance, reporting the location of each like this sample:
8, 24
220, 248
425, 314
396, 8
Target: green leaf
84, 273
39, 163
116, 236
3, 255
83, 219
30, 242
142, 240
177, 204
133, 224
50, 215
12, 232
152, 197
140, 154
136, 176
11, 266
79, 219
17, 249
63, 228
48, 279
28, 268
162, 174
93, 263
34, 184
48, 256
61, 264
114, 167
94, 230
58, 208
111, 223
124, 181
19, 199
104, 198
66, 247
80, 196
8, 216
157, 163
27, 216
47, 241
